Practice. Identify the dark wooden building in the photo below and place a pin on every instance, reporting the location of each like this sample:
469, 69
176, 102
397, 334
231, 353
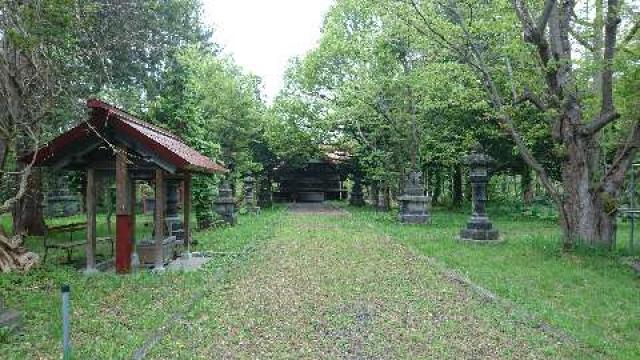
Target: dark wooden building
315, 181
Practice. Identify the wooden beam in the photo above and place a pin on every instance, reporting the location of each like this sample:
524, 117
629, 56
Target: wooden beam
159, 218
91, 221
123, 214
186, 211
149, 156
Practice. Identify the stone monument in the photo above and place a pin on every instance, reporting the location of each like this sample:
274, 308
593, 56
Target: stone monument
357, 196
59, 200
413, 203
479, 228
249, 195
225, 205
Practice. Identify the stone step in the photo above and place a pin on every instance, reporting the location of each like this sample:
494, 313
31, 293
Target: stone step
10, 319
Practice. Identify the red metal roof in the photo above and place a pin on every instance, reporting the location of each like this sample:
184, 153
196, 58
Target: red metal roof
160, 141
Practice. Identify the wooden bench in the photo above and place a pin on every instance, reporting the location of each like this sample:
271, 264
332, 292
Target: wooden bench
51, 243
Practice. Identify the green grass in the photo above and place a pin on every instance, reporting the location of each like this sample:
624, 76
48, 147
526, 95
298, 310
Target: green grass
112, 315
320, 281
333, 286
593, 297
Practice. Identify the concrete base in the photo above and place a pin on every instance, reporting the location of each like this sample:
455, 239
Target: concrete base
415, 219
497, 241
188, 262
230, 219
480, 234
90, 271
413, 209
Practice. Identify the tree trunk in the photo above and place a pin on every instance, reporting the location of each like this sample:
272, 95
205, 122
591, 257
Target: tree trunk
457, 185
526, 184
28, 215
588, 214
374, 194
384, 198
437, 186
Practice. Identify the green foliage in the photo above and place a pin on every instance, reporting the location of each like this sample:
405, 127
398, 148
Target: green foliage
215, 108
396, 99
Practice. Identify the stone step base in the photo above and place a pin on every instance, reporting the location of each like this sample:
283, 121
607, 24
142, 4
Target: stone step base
10, 319
414, 218
479, 234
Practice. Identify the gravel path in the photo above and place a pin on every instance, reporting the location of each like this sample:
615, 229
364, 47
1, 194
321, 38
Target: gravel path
329, 287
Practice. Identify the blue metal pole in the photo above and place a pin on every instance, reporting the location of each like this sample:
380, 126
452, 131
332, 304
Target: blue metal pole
66, 341
633, 207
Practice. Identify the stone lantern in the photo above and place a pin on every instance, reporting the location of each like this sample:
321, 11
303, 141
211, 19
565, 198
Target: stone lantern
174, 222
479, 228
249, 195
413, 203
225, 206
357, 197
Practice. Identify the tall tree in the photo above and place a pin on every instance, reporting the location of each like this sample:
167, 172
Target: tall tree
56, 53
478, 36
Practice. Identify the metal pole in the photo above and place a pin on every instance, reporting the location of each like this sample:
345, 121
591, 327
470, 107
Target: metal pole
66, 341
633, 207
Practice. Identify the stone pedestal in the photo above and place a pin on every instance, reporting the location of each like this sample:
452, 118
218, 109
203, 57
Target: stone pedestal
356, 198
413, 203
479, 228
249, 195
224, 205
383, 200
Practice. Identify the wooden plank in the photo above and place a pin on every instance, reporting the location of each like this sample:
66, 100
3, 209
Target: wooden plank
122, 179
91, 220
159, 217
123, 214
132, 202
186, 211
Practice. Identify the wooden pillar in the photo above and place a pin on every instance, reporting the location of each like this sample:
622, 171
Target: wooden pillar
159, 217
132, 202
91, 220
123, 213
186, 211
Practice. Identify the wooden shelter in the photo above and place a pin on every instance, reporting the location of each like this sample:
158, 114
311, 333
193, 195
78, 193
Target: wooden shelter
113, 141
316, 181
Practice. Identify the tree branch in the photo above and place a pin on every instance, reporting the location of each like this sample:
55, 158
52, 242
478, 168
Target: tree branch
544, 17
24, 178
607, 110
582, 41
630, 35
614, 178
532, 98
599, 123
